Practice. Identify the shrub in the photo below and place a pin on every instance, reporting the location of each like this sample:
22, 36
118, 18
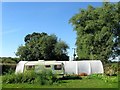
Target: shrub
8, 68
111, 69
8, 78
46, 77
43, 78
8, 64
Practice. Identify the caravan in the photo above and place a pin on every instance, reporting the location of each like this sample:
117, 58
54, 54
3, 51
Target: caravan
56, 67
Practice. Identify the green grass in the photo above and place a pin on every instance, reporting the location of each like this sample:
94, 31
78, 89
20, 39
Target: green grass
84, 83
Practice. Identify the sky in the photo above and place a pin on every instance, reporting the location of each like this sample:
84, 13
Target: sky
22, 18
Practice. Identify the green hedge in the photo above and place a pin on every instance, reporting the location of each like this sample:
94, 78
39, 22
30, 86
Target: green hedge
7, 68
8, 65
9, 60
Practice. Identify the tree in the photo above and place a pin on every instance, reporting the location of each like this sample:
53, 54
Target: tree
42, 46
96, 28
61, 50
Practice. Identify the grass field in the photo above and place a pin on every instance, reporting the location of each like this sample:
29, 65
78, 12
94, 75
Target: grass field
84, 83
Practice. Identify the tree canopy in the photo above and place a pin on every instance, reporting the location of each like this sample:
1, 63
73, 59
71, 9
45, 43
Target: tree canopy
42, 46
96, 30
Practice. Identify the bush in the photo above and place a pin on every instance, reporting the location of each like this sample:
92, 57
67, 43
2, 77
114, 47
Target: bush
18, 78
8, 65
8, 68
46, 77
43, 78
8, 78
111, 69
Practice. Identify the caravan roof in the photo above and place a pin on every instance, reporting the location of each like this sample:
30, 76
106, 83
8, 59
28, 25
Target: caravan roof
32, 63
43, 63
52, 63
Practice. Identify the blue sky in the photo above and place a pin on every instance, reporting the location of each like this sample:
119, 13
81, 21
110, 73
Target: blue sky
20, 19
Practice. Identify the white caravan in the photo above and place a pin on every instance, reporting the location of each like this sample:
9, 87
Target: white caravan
56, 67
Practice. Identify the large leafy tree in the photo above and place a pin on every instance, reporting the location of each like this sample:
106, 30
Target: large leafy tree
96, 28
42, 46
61, 50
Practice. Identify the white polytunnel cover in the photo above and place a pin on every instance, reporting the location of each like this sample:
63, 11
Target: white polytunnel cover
70, 67
84, 67
96, 67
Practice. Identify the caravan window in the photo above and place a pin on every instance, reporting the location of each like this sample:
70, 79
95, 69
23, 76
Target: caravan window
57, 67
30, 67
47, 66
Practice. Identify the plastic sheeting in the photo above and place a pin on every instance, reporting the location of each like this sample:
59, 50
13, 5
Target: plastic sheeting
96, 67
86, 66
70, 67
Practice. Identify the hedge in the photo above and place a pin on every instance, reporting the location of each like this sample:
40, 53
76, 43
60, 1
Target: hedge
7, 68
